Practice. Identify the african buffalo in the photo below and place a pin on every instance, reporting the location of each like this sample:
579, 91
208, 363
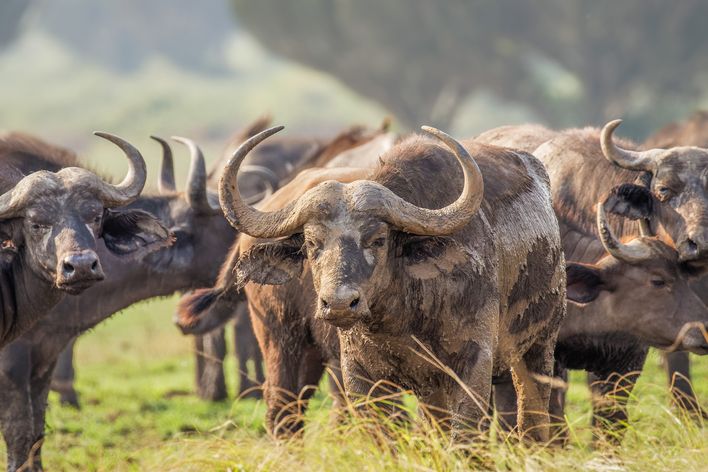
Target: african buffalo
583, 166
50, 223
356, 146
201, 237
295, 345
692, 131
638, 295
478, 283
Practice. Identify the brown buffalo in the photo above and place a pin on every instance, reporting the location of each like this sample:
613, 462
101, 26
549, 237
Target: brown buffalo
395, 275
355, 146
296, 346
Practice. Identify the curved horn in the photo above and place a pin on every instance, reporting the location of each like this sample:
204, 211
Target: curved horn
628, 253
632, 160
10, 203
197, 180
166, 182
252, 200
239, 213
268, 176
413, 219
131, 186
398, 212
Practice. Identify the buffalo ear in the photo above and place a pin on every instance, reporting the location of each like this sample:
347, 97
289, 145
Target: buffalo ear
584, 282
10, 240
630, 201
271, 263
134, 233
427, 257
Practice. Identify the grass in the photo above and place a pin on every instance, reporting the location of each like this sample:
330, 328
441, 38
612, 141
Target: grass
135, 376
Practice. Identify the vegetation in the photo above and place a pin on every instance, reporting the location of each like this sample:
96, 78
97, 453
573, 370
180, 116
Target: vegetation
570, 62
139, 412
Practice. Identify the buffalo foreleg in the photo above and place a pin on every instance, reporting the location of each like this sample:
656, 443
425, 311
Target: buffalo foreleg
16, 414
64, 376
678, 369
211, 351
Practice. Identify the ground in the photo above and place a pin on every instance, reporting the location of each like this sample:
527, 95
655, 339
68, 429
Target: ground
135, 376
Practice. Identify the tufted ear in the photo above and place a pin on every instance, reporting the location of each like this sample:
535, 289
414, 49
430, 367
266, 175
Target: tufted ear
271, 263
584, 282
133, 233
630, 201
426, 257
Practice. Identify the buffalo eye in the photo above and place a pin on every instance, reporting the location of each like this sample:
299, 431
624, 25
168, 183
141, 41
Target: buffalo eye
38, 227
378, 242
658, 283
313, 247
664, 193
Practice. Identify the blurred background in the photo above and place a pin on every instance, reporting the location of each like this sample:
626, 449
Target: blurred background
203, 69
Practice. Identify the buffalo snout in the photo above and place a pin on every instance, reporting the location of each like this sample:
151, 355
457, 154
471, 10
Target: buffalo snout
79, 270
343, 306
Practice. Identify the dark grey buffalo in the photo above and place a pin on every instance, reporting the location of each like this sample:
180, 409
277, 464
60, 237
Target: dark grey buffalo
50, 225
586, 165
425, 258
201, 237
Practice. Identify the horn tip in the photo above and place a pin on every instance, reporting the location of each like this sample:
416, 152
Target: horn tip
612, 125
158, 139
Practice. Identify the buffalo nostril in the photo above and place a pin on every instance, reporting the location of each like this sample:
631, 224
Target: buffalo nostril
68, 268
691, 246
94, 266
324, 303
354, 303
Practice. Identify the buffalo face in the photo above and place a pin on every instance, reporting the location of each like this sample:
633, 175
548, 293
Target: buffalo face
679, 191
642, 288
52, 221
349, 234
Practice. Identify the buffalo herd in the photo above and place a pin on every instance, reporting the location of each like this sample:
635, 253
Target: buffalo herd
472, 273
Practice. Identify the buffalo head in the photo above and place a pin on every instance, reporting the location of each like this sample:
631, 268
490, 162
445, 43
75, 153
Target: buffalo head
679, 188
353, 235
52, 221
642, 288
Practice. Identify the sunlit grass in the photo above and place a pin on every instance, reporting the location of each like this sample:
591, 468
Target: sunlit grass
135, 376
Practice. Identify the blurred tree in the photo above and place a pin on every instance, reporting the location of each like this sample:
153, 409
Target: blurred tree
11, 13
571, 61
122, 34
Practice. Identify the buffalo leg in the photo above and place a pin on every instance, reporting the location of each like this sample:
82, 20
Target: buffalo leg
678, 367
16, 418
283, 416
39, 387
556, 407
246, 347
534, 420
211, 384
610, 393
64, 375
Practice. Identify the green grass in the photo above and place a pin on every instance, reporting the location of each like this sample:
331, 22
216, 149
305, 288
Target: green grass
135, 376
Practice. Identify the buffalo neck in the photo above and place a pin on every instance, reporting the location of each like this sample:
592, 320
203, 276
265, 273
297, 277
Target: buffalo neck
26, 297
